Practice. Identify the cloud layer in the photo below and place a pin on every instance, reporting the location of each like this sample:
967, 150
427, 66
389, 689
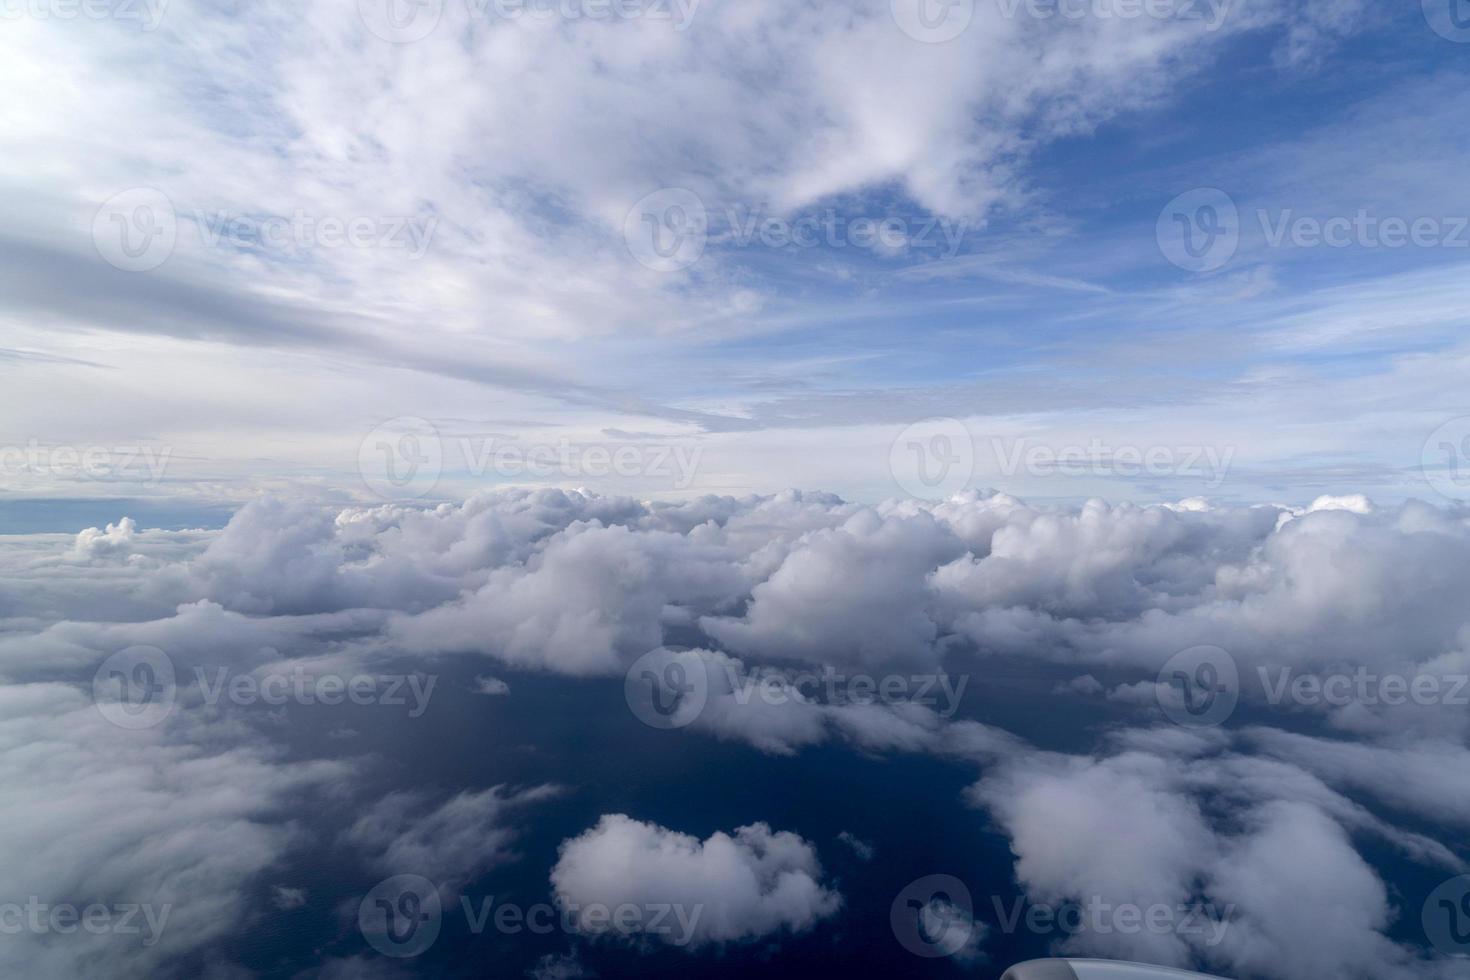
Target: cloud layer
785, 603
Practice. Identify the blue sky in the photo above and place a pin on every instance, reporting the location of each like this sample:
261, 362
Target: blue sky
1019, 281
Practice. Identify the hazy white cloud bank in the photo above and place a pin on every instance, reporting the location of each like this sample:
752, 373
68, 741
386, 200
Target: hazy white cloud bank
584, 584
164, 829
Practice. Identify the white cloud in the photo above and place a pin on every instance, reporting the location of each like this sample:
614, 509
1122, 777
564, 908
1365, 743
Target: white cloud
450, 844
730, 889
583, 584
1263, 851
491, 687
175, 821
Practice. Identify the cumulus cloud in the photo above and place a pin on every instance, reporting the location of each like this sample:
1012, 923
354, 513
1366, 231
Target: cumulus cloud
1254, 860
589, 602
116, 539
757, 883
578, 583
583, 584
858, 592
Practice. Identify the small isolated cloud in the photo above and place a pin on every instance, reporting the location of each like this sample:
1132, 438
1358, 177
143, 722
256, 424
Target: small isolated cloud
755, 884
116, 539
448, 844
559, 966
492, 686
287, 899
860, 847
